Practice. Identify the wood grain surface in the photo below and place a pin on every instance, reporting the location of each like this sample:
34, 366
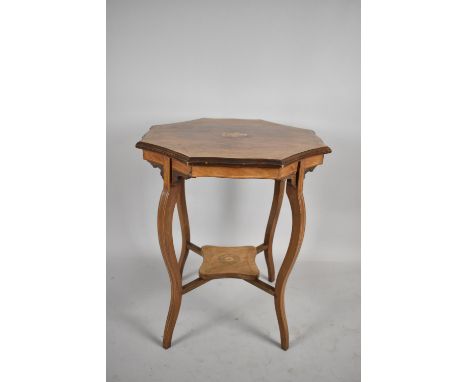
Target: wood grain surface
238, 149
228, 142
236, 262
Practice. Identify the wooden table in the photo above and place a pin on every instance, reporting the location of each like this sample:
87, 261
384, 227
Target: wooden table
239, 149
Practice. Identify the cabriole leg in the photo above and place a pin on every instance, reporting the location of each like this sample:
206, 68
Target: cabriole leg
184, 226
169, 197
271, 226
296, 200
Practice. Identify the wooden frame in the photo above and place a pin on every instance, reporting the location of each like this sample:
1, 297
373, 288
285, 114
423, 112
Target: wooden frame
236, 149
174, 173
234, 172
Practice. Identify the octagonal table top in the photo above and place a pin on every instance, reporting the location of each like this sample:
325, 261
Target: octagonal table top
233, 142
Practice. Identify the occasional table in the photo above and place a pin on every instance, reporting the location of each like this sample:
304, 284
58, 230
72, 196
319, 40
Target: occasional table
238, 149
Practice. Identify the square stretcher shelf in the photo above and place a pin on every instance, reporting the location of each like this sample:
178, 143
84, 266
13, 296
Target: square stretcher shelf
234, 262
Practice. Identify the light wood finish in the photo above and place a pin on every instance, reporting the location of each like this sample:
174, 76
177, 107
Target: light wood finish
312, 161
229, 142
231, 262
238, 149
232, 172
260, 248
194, 248
263, 286
271, 227
181, 168
156, 159
244, 172
193, 284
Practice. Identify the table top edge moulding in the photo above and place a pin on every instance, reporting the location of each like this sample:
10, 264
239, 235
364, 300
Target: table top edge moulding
237, 149
232, 142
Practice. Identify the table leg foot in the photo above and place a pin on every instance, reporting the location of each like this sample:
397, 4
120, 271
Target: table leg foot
172, 315
282, 321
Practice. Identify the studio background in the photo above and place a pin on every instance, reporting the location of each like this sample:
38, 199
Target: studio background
296, 63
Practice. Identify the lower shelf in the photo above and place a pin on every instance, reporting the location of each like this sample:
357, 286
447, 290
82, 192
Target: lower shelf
228, 262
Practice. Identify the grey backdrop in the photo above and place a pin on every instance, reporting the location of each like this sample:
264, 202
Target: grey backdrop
292, 62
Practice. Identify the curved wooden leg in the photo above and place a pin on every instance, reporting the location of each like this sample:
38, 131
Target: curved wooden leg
167, 203
184, 226
296, 200
271, 226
